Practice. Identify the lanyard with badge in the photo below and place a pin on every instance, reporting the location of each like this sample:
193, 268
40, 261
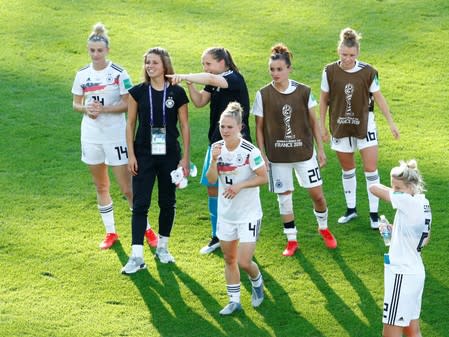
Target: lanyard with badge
158, 135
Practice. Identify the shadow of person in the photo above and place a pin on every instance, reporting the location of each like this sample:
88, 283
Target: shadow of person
172, 300
337, 307
193, 291
368, 306
432, 312
162, 300
285, 320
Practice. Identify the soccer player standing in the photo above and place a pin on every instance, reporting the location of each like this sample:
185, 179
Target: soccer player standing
404, 269
100, 93
286, 127
349, 89
238, 167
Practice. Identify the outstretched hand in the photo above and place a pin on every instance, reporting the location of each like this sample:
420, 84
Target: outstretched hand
175, 79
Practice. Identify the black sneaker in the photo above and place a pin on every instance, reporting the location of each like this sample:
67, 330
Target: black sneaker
374, 220
350, 214
211, 246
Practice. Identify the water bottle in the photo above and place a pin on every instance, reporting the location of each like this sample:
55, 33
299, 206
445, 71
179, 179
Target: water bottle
193, 170
385, 230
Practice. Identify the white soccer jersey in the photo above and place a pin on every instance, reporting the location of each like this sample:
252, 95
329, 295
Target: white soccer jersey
411, 228
234, 167
258, 104
106, 86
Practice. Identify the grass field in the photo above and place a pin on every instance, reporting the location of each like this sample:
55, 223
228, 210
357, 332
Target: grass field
56, 282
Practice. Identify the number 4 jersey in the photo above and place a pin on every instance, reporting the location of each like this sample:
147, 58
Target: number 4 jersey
234, 167
106, 86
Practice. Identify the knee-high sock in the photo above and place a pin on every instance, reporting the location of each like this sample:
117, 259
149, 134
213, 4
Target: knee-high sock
213, 204
372, 178
233, 292
107, 215
349, 180
257, 282
321, 218
290, 231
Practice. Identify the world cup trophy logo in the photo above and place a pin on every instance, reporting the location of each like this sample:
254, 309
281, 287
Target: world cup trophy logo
349, 90
287, 113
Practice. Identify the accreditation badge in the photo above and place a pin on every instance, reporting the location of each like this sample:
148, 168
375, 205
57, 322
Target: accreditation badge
158, 143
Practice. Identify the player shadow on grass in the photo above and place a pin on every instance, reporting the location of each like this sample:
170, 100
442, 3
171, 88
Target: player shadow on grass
341, 311
431, 312
278, 310
232, 325
170, 310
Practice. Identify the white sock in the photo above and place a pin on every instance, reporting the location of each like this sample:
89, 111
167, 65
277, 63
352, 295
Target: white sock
137, 250
257, 282
321, 218
291, 234
107, 215
162, 242
372, 178
233, 292
349, 181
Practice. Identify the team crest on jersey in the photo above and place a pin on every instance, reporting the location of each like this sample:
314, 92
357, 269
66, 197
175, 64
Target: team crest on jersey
109, 78
239, 159
278, 184
170, 103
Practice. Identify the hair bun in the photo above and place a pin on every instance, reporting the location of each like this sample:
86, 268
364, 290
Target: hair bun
412, 164
99, 29
279, 49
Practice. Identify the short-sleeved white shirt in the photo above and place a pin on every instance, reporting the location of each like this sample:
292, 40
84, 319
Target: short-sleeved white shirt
258, 104
375, 86
234, 167
106, 86
411, 226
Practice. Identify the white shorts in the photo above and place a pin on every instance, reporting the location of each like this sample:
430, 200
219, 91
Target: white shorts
351, 144
307, 173
114, 154
247, 232
402, 297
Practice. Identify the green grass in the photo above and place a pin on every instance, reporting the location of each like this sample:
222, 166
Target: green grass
55, 282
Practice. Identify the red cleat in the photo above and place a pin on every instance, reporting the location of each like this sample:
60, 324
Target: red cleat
291, 248
329, 239
109, 240
151, 237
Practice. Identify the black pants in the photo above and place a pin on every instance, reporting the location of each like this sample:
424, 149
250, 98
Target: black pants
149, 168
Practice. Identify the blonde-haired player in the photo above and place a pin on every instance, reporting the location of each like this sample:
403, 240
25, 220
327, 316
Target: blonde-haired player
349, 89
100, 93
404, 268
239, 168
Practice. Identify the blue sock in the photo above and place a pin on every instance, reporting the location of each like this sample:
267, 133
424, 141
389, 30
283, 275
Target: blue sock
213, 203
